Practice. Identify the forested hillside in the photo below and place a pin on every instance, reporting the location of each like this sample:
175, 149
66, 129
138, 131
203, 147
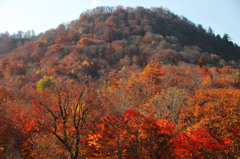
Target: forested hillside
120, 83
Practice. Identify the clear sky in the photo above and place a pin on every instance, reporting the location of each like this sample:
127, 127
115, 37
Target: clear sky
223, 16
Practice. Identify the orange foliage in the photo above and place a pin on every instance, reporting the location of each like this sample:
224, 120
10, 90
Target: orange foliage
84, 41
215, 110
153, 72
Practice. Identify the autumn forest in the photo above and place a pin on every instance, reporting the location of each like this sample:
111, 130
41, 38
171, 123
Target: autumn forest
126, 83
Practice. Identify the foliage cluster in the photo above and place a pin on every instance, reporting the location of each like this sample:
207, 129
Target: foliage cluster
121, 83
162, 111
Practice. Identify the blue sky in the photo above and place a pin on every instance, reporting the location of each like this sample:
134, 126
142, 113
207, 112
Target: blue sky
223, 16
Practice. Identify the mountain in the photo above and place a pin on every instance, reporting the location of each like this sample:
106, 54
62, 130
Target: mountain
109, 37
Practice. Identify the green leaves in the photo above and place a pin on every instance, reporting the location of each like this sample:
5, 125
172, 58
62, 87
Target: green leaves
45, 82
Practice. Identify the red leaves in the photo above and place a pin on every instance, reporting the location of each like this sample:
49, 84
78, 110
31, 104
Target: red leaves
157, 138
207, 140
235, 141
15, 134
198, 144
110, 138
32, 126
133, 116
201, 61
124, 136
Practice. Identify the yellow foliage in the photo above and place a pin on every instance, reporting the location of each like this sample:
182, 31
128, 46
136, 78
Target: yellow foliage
37, 72
216, 110
1, 148
85, 63
206, 81
152, 72
153, 42
80, 30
